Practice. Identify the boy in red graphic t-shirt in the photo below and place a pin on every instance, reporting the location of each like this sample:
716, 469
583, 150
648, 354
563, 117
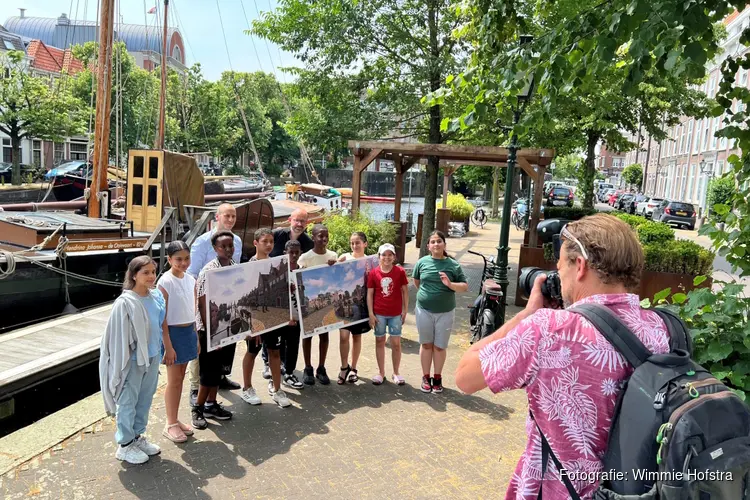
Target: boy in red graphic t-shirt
387, 301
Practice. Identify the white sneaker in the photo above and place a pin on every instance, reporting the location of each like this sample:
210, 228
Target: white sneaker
271, 390
149, 449
250, 397
280, 398
131, 454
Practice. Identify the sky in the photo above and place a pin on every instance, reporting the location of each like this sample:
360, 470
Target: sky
342, 276
198, 22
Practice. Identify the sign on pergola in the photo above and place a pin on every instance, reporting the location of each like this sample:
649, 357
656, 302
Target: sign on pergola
404, 155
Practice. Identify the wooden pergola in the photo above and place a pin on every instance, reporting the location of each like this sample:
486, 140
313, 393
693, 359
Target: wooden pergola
405, 155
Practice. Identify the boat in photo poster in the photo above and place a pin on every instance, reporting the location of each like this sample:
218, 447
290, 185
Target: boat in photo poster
247, 300
331, 297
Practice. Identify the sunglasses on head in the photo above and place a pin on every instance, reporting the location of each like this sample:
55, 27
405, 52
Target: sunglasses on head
557, 241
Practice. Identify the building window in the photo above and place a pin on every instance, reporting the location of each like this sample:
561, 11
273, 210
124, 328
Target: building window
720, 168
689, 136
714, 139
59, 152
78, 151
743, 77
723, 141
689, 195
704, 146
7, 151
36, 153
697, 141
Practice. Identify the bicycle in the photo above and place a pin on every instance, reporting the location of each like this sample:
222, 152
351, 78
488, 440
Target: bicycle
486, 306
479, 217
518, 216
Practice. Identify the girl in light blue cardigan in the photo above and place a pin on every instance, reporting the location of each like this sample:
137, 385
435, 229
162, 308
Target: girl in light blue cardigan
129, 361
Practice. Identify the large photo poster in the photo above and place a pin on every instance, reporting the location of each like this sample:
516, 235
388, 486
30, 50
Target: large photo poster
247, 300
331, 297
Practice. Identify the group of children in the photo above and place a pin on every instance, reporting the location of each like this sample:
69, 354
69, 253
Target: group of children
165, 321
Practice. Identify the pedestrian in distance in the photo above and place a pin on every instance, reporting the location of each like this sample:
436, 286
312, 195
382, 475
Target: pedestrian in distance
213, 364
388, 303
348, 373
181, 345
129, 360
437, 277
318, 256
263, 241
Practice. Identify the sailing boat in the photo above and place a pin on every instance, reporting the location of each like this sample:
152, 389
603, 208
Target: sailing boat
50, 260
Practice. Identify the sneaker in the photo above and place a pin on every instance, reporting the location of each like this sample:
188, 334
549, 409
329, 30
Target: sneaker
217, 411
437, 385
199, 421
271, 390
308, 377
280, 398
321, 375
193, 396
131, 454
229, 385
283, 369
250, 397
426, 384
266, 372
149, 449
293, 382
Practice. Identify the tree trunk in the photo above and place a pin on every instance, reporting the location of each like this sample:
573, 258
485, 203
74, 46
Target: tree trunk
435, 137
15, 143
590, 169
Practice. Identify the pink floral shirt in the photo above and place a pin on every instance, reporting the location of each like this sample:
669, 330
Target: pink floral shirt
572, 377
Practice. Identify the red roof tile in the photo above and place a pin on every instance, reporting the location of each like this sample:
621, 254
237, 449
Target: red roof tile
731, 17
52, 59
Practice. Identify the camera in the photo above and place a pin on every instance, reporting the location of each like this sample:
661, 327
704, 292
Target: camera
550, 288
549, 232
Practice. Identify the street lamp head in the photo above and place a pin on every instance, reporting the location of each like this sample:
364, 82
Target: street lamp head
702, 165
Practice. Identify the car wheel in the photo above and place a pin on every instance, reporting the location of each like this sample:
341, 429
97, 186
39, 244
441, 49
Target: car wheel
691, 227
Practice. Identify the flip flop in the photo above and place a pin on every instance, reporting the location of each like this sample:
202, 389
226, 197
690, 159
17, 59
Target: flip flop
398, 380
181, 437
353, 377
346, 370
377, 379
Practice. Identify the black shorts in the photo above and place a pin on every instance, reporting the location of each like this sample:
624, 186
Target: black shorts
359, 328
214, 364
272, 340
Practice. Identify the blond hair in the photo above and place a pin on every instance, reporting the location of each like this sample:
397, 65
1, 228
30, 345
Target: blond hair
613, 249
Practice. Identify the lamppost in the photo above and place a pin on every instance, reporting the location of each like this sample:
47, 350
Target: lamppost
501, 268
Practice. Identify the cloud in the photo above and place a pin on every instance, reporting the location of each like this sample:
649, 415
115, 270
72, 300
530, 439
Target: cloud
227, 293
315, 282
349, 275
239, 281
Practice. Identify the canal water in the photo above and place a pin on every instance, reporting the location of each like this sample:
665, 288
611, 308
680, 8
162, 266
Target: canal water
381, 211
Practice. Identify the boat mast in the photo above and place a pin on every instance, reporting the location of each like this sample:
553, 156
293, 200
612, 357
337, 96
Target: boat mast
159, 143
99, 188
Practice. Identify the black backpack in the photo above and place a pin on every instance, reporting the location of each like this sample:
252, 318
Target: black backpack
677, 431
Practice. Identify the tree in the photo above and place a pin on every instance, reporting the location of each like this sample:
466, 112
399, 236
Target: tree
33, 106
633, 175
567, 167
720, 192
404, 50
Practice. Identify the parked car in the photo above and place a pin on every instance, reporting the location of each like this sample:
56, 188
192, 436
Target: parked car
613, 197
604, 198
6, 172
624, 202
560, 196
678, 213
603, 188
646, 206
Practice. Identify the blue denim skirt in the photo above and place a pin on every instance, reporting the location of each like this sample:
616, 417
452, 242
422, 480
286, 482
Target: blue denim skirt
184, 342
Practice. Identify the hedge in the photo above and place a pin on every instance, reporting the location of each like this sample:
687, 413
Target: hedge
678, 256
570, 213
648, 231
458, 205
341, 227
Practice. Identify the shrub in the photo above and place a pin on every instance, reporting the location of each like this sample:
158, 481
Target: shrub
341, 227
720, 191
678, 256
458, 205
631, 220
570, 213
654, 232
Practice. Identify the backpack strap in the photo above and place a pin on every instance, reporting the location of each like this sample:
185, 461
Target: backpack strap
679, 338
547, 453
615, 331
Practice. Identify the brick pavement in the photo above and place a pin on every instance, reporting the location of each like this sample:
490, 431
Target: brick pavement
358, 441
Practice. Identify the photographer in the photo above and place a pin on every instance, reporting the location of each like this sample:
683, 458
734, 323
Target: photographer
571, 374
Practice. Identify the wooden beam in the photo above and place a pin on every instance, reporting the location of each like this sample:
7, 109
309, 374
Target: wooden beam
398, 163
535, 207
526, 167
447, 172
356, 184
366, 159
407, 164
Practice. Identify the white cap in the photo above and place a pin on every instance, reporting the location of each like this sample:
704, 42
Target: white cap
386, 246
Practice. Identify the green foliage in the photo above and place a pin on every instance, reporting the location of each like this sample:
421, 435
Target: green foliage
720, 192
35, 106
677, 256
458, 205
654, 232
570, 213
633, 175
341, 227
549, 252
567, 167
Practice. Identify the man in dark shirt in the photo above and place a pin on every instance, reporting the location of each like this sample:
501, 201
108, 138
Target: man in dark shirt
296, 231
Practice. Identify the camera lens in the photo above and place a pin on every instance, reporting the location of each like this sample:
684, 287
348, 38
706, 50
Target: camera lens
527, 278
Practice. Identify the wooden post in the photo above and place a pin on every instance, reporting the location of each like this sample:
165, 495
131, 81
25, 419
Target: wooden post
360, 164
159, 143
447, 172
398, 164
536, 205
103, 98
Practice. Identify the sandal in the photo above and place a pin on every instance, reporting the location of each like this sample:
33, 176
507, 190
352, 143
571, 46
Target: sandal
180, 438
377, 379
353, 377
398, 380
342, 379
186, 429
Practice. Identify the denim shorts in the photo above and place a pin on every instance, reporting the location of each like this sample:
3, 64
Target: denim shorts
185, 343
392, 322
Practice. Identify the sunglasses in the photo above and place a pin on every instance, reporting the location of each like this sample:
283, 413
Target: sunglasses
557, 241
